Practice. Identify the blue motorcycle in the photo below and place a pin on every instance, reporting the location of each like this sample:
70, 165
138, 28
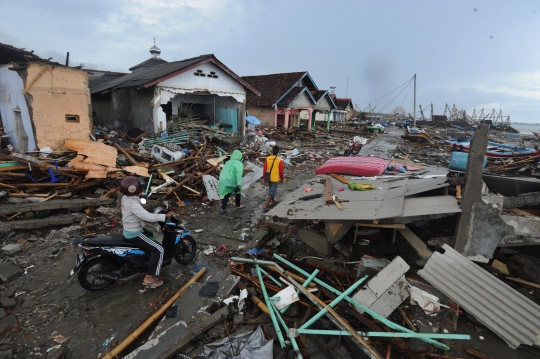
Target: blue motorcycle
106, 260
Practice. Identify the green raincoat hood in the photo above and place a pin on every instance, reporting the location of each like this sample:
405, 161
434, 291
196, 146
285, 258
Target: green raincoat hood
231, 174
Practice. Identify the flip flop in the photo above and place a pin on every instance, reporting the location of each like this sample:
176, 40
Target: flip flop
223, 211
265, 210
153, 284
241, 207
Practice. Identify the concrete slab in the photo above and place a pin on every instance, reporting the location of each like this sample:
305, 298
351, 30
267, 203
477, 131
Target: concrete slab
315, 241
388, 276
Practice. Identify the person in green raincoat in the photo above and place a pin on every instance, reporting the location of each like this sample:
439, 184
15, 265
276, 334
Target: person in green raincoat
230, 181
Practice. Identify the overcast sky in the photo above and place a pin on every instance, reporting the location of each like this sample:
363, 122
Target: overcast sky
474, 54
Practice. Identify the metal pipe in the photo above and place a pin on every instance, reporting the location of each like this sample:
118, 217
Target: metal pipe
376, 316
269, 304
333, 303
386, 334
272, 278
338, 322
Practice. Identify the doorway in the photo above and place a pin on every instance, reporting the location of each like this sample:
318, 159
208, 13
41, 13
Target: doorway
20, 133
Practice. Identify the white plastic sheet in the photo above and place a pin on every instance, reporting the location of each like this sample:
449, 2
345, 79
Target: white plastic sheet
244, 346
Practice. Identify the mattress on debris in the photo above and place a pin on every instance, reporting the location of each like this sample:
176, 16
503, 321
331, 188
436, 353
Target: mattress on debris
387, 201
354, 166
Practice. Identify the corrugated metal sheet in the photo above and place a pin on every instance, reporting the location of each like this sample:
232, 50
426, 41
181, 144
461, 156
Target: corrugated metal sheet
426, 184
509, 314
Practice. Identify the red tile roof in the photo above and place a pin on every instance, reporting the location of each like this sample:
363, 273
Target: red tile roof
272, 87
342, 103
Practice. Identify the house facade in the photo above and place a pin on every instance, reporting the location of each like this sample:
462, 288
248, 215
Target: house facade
156, 89
288, 100
345, 109
41, 102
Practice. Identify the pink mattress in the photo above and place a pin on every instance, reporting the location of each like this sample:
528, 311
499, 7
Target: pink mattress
354, 166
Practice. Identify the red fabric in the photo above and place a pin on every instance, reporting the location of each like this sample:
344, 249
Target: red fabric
354, 166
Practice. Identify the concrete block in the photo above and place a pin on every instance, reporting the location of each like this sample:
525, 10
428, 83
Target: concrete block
228, 287
315, 241
71, 230
387, 290
392, 298
388, 276
12, 249
6, 354
7, 303
9, 272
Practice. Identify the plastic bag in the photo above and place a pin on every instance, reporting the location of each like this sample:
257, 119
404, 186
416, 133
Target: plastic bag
244, 346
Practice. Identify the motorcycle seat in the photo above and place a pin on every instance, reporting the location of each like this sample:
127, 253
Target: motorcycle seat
114, 240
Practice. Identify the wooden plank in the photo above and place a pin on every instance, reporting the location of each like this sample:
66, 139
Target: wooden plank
340, 178
33, 81
97, 153
14, 168
476, 353
328, 191
55, 204
417, 244
138, 170
373, 225
128, 156
215, 162
524, 282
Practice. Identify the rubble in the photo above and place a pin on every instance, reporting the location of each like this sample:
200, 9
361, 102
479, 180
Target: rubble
313, 276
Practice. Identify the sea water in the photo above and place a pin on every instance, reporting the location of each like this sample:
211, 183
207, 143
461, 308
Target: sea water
526, 128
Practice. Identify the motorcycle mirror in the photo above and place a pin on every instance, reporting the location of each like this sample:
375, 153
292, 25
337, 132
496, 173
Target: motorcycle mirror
143, 200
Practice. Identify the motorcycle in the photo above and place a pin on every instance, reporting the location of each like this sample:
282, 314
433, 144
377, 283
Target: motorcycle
106, 260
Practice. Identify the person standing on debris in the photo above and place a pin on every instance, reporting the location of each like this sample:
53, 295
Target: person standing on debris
251, 135
230, 181
133, 218
273, 172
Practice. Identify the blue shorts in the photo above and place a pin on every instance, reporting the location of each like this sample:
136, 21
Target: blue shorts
272, 189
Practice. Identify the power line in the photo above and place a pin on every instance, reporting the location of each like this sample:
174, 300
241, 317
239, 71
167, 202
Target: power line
393, 99
407, 82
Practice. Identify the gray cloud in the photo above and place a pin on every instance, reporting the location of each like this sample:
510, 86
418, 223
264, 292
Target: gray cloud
377, 45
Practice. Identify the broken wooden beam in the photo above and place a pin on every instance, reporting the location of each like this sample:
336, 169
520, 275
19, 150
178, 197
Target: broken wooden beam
328, 191
340, 178
418, 245
56, 204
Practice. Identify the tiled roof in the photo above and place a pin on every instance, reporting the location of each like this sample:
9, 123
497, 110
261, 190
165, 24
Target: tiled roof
342, 103
150, 76
9, 54
151, 62
317, 94
272, 87
285, 101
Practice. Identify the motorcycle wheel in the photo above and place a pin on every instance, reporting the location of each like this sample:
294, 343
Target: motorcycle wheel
91, 283
185, 250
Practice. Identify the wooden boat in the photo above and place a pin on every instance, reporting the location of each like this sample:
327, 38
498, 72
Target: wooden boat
417, 134
495, 149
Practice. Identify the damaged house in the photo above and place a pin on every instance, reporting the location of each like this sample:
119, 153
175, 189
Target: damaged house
288, 100
198, 88
41, 102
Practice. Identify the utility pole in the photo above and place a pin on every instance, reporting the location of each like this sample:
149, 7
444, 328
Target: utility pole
414, 112
432, 111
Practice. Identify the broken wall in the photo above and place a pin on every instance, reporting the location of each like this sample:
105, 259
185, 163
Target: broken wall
61, 104
11, 101
112, 109
266, 114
